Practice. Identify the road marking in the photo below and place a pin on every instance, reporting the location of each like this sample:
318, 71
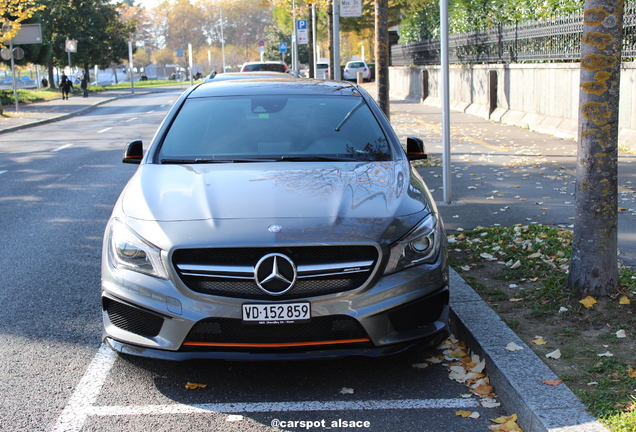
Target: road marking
260, 407
75, 413
81, 404
150, 112
2, 172
131, 119
62, 148
104, 130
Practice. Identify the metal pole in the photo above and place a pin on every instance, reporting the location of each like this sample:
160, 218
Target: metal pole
190, 63
130, 66
446, 146
336, 40
222, 41
69, 61
313, 36
15, 91
294, 40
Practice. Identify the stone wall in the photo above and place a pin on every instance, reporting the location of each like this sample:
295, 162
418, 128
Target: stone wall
541, 97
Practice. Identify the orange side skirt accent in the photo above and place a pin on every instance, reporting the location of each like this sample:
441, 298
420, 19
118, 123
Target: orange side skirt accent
275, 345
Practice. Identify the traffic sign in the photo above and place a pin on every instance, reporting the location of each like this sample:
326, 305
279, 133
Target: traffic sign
282, 47
301, 32
71, 45
261, 43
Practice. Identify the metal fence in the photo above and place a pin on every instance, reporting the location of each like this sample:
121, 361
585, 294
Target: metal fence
557, 39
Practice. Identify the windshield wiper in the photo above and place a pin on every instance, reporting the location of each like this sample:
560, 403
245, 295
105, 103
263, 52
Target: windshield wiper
349, 114
317, 158
193, 161
210, 161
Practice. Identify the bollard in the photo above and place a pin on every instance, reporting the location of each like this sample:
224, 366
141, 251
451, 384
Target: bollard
360, 79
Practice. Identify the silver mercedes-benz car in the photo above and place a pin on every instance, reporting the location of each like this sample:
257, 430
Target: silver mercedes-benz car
274, 219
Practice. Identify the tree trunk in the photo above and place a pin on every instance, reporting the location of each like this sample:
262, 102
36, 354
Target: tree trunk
49, 67
382, 55
594, 265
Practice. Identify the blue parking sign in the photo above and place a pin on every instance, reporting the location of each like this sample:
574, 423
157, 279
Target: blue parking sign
283, 47
301, 24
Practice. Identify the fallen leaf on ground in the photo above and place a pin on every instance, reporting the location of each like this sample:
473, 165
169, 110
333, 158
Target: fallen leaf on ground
631, 372
606, 354
538, 340
588, 302
624, 300
513, 347
346, 390
420, 365
483, 389
556, 354
621, 334
504, 419
463, 413
194, 386
552, 382
234, 418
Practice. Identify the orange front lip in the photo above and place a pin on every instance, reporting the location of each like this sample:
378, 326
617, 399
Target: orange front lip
275, 345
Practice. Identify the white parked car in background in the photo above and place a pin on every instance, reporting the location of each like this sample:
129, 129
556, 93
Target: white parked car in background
353, 67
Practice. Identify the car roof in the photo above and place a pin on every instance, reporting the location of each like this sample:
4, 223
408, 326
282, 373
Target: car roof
247, 75
284, 86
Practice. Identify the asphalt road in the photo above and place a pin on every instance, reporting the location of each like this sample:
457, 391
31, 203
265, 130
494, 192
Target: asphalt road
58, 184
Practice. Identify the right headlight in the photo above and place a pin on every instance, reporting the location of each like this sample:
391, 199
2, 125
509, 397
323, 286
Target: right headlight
128, 250
419, 246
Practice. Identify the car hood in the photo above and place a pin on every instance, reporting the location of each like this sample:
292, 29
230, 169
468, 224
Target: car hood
293, 194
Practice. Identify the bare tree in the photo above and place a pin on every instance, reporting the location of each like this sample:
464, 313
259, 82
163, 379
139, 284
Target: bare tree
594, 265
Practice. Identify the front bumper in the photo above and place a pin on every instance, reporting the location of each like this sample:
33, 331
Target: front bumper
155, 319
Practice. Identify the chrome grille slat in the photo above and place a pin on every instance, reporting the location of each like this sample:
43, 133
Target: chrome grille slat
321, 270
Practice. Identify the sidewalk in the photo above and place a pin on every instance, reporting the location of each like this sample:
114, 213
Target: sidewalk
500, 175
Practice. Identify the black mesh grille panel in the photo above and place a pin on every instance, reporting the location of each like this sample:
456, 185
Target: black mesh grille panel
227, 330
132, 319
315, 285
419, 313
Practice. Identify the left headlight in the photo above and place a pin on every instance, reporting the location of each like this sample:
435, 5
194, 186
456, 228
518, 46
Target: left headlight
419, 246
127, 250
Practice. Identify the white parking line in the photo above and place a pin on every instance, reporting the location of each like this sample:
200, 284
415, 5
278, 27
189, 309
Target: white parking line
75, 413
81, 404
131, 119
260, 407
2, 172
150, 112
104, 130
62, 147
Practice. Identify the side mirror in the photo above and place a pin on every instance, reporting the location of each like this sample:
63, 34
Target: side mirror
134, 152
415, 149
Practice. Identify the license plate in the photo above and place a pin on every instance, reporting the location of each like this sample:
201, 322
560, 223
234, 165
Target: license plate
280, 313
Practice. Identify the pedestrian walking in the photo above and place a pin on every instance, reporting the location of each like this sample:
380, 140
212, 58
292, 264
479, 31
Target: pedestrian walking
45, 82
84, 85
67, 87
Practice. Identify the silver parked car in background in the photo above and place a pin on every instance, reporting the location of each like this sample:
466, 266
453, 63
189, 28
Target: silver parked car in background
274, 219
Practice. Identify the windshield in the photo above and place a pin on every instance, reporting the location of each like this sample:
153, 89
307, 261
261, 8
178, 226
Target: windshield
258, 128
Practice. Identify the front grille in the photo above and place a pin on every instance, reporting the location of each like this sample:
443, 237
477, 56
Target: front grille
319, 329
419, 313
132, 319
231, 270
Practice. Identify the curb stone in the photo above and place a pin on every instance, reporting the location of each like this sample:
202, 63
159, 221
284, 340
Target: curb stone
516, 376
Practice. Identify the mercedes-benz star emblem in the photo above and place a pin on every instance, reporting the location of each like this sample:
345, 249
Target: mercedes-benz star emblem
275, 274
